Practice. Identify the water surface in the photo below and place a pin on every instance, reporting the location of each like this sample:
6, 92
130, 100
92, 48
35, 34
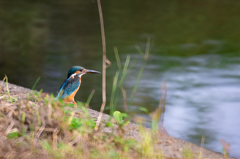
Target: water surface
194, 47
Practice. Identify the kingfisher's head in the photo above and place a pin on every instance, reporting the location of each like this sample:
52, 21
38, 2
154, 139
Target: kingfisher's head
80, 70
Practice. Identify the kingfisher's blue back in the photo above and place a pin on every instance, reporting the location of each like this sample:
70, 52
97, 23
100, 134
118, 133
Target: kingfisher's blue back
72, 84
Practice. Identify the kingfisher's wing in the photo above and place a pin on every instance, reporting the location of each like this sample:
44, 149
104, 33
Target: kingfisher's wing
61, 88
69, 86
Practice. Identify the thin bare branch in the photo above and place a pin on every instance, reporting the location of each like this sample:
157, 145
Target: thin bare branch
104, 61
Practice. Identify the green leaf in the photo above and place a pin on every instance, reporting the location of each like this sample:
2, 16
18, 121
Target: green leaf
124, 115
109, 124
13, 135
118, 116
69, 105
144, 110
68, 112
35, 83
91, 123
76, 123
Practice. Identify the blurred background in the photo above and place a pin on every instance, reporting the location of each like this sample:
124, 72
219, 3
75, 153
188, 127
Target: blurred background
195, 47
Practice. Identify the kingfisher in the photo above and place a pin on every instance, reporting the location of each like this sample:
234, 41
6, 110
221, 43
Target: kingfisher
72, 84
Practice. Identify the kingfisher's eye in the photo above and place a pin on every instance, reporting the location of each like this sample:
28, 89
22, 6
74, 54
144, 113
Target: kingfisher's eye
81, 70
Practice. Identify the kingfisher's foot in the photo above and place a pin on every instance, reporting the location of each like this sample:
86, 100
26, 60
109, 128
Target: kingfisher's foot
72, 102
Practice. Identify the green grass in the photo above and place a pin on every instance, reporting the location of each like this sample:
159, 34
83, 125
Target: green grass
42, 127
188, 154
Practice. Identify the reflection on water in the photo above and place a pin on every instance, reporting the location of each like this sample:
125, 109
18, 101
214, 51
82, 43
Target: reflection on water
203, 97
196, 50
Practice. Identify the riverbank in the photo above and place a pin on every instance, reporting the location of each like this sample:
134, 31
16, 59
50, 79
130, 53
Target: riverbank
168, 146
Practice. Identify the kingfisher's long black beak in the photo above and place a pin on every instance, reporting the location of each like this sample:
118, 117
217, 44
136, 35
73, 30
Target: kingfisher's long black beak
91, 71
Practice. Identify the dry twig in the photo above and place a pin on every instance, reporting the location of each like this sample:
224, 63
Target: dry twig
104, 66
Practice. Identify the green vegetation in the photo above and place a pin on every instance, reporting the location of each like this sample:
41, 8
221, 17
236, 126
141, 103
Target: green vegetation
187, 153
38, 126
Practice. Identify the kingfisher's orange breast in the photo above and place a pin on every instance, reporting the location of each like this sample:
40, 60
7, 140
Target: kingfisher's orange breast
70, 98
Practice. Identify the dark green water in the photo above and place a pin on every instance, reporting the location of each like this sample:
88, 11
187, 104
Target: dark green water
195, 47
